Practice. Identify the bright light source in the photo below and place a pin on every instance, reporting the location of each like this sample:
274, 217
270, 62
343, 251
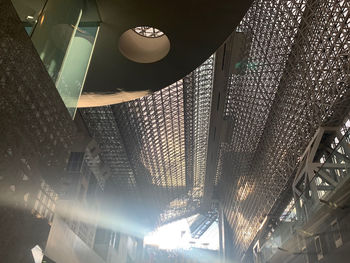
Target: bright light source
171, 236
177, 235
38, 254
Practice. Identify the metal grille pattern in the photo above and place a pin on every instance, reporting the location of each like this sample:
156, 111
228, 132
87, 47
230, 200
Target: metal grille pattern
198, 91
158, 143
153, 130
295, 78
36, 130
103, 128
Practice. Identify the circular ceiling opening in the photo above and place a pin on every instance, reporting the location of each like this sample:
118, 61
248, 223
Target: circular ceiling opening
144, 44
147, 31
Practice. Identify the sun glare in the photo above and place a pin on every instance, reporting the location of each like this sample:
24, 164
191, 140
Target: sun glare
177, 235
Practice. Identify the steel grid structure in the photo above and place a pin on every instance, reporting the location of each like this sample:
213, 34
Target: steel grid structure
157, 145
153, 131
103, 127
293, 78
36, 131
197, 103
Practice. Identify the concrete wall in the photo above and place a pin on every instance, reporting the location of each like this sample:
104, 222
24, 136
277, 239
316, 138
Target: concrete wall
64, 246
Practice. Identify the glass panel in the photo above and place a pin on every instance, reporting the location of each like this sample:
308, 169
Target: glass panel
54, 31
54, 37
74, 68
64, 48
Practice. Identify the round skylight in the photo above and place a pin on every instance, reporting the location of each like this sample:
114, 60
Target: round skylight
144, 44
147, 31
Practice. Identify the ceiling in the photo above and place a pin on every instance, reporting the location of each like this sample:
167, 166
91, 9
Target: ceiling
195, 30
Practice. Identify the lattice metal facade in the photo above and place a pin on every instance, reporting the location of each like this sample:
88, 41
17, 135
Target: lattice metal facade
36, 130
293, 78
156, 145
35, 137
103, 127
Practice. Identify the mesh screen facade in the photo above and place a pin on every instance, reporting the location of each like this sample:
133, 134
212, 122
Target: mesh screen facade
294, 77
36, 130
156, 146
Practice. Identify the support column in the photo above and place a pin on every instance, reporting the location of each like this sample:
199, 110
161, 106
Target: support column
221, 233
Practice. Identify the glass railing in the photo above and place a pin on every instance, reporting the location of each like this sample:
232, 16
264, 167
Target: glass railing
72, 73
64, 45
308, 203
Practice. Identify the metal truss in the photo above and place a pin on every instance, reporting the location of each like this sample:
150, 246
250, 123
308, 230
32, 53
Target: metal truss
157, 145
320, 186
324, 166
293, 78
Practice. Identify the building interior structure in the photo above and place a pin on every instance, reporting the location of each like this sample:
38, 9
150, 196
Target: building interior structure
186, 132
